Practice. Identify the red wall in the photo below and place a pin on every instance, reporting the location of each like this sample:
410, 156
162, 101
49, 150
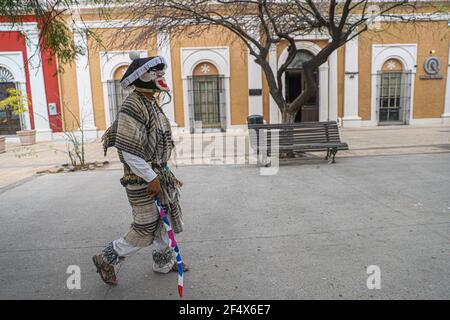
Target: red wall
52, 88
15, 41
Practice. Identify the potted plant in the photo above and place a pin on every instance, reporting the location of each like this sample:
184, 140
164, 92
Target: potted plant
18, 102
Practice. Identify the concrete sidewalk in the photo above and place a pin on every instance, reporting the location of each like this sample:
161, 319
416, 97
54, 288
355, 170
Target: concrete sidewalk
308, 232
19, 163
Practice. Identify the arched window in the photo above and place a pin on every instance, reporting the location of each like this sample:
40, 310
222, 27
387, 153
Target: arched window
5, 75
300, 57
208, 103
9, 121
394, 85
116, 94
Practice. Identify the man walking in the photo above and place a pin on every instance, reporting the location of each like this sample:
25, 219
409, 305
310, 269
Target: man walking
142, 136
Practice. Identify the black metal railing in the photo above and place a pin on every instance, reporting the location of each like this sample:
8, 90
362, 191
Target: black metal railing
393, 97
207, 102
116, 96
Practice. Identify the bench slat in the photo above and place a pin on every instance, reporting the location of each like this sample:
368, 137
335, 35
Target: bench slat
305, 136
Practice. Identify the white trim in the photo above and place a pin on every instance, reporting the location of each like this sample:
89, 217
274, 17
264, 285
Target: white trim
84, 86
414, 122
446, 115
426, 121
218, 56
351, 85
190, 58
274, 111
333, 87
407, 55
37, 86
446, 118
254, 78
314, 35
89, 135
21, 27
163, 40
125, 23
109, 62
13, 62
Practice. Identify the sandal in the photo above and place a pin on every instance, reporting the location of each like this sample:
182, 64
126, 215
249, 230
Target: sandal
105, 270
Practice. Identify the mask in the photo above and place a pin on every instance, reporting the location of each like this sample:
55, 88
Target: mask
153, 80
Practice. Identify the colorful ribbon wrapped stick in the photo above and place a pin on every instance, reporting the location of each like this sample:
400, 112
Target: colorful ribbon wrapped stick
173, 244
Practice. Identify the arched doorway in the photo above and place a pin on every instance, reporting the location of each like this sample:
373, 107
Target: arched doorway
295, 84
9, 121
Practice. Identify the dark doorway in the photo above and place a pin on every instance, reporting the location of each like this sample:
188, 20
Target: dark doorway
9, 121
295, 84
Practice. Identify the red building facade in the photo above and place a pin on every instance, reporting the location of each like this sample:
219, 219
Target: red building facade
24, 65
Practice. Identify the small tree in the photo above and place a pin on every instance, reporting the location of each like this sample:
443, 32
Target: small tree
16, 101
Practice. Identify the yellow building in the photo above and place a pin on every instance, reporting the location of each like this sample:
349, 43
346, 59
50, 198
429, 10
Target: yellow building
396, 76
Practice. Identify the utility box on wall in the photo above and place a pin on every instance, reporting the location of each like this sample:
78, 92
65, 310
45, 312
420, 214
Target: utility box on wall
52, 110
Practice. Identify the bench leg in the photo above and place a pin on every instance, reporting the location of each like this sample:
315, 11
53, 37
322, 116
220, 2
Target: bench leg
333, 152
263, 159
328, 154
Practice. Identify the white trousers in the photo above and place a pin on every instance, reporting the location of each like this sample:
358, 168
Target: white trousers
161, 242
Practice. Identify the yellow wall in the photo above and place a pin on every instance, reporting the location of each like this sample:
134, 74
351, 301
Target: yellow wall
69, 97
428, 36
214, 37
211, 71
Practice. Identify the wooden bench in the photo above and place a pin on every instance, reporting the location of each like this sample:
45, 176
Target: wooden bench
296, 137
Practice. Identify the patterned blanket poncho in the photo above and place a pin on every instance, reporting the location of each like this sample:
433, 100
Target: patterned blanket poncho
143, 130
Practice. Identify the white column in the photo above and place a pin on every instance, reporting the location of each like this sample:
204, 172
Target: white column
26, 124
255, 102
84, 87
446, 114
163, 40
275, 114
351, 118
37, 85
323, 92
333, 87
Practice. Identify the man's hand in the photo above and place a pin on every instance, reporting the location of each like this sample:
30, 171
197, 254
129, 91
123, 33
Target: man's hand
154, 188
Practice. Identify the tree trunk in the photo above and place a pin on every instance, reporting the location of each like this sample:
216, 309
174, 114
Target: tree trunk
287, 116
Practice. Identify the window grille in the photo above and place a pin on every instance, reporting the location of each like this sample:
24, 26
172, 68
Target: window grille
116, 96
393, 97
207, 102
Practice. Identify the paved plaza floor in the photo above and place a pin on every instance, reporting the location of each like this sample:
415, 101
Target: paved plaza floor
20, 163
308, 232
